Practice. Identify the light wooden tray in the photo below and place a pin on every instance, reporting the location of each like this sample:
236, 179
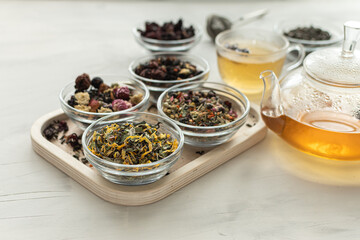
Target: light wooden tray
188, 168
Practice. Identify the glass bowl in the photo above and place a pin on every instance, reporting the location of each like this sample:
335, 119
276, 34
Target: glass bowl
211, 135
156, 87
83, 119
335, 31
133, 174
155, 45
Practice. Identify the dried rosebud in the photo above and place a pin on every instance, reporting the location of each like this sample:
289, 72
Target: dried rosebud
119, 104
82, 82
103, 87
94, 104
122, 93
96, 82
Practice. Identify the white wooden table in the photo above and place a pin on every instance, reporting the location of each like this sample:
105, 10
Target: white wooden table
269, 192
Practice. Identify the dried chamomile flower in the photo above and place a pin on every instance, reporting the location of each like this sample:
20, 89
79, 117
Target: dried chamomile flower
82, 98
104, 110
83, 108
136, 99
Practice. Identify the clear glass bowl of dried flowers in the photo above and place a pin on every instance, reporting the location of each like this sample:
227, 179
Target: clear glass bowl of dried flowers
87, 99
133, 148
163, 35
208, 113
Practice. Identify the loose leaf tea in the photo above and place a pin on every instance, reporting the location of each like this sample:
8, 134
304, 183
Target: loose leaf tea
308, 33
132, 143
168, 31
96, 96
52, 131
236, 48
167, 68
198, 108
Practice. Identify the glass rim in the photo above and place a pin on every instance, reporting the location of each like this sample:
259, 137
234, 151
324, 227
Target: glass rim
224, 33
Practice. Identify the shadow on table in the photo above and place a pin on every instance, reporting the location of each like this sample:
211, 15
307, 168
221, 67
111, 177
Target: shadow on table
315, 169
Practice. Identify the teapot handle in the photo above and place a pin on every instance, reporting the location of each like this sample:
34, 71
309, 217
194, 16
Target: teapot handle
296, 62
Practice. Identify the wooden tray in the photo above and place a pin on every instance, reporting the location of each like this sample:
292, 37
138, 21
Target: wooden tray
188, 168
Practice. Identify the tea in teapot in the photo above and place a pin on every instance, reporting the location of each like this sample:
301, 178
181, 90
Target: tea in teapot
317, 108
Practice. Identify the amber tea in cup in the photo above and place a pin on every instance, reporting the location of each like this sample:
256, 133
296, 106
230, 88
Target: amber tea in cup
243, 54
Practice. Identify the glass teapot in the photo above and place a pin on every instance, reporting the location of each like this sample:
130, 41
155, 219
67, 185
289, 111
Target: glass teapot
316, 108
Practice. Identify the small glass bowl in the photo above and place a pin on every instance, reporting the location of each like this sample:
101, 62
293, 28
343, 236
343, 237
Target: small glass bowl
155, 45
133, 174
156, 87
83, 119
335, 31
215, 135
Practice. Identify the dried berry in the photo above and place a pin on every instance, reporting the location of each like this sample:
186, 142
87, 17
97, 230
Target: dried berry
122, 93
72, 101
103, 87
119, 104
96, 81
82, 82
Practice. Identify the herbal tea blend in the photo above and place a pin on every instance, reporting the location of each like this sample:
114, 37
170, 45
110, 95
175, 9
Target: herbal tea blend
167, 68
52, 131
308, 33
198, 108
96, 96
168, 31
132, 143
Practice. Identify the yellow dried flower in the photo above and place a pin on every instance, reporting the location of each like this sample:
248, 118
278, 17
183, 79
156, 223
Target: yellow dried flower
104, 110
82, 98
83, 108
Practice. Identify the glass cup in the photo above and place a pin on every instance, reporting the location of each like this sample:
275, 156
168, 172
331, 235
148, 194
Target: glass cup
242, 54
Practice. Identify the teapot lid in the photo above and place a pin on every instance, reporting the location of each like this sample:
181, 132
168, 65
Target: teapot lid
335, 66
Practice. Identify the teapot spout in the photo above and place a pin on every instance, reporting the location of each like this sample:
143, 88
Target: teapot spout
272, 110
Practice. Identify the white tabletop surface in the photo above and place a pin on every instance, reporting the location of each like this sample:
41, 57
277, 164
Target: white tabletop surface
269, 192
